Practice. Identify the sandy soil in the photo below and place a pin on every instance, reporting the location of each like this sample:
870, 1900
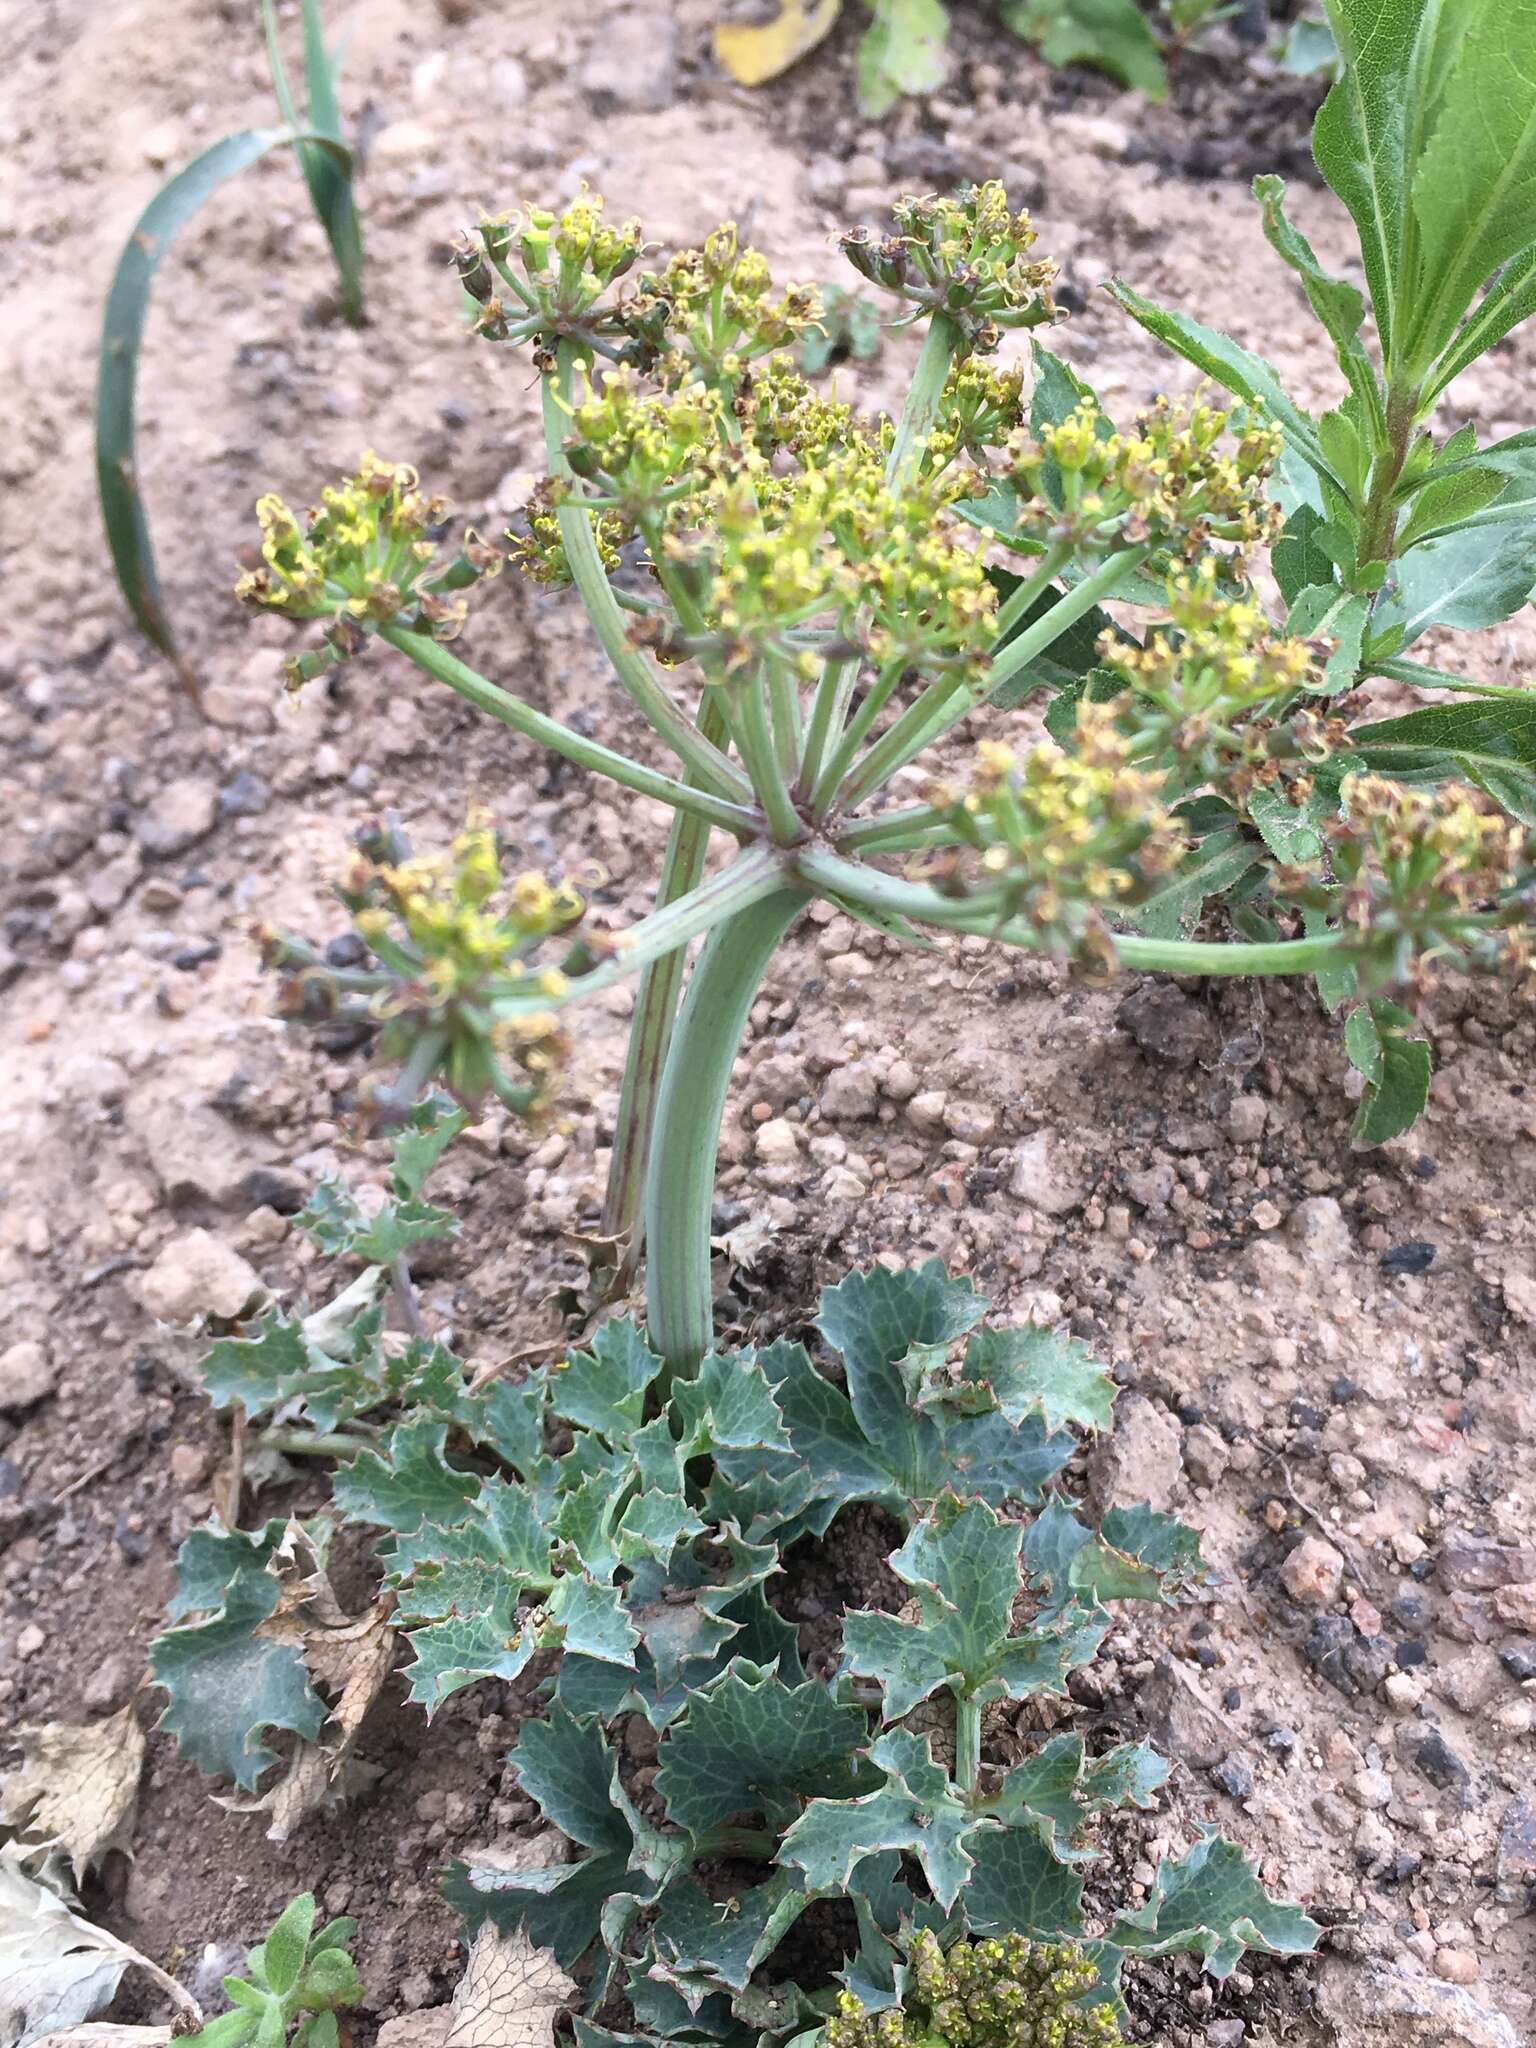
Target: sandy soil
1188, 1200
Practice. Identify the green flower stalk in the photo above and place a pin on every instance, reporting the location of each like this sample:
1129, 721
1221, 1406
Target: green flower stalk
816, 598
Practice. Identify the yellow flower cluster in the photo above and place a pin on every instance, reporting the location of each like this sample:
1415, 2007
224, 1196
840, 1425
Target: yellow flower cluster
362, 552
539, 550
968, 257
451, 928
638, 448
541, 276
1002, 1993
981, 408
1064, 834
1217, 659
1170, 482
718, 312
1429, 856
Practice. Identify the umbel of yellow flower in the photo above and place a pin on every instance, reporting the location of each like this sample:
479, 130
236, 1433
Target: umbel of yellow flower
1002, 1993
364, 557
454, 936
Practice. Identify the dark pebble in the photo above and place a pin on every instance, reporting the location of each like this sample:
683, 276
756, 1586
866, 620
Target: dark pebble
196, 956
1349, 1661
244, 796
1344, 1389
347, 951
344, 1035
1190, 1413
1436, 1760
453, 415
12, 1479
1232, 1699
1414, 1257
1519, 1659
1410, 1607
1400, 1869
132, 1543
1283, 1741
726, 1215
1410, 1655
1234, 1774
1304, 1416
275, 1187
1207, 1656
1425, 1167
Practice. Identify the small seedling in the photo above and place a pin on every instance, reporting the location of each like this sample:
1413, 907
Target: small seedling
327, 165
298, 1979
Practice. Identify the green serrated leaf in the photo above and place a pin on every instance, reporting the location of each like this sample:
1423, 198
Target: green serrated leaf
916, 1810
592, 1620
1466, 580
406, 1481
564, 1764
723, 1944
559, 1907
1061, 1787
1212, 1904
1046, 1373
729, 1406
1397, 1069
228, 1686
490, 1642
1336, 303
1019, 1887
604, 1389
422, 1140
1234, 368
750, 1744
1489, 741
1298, 558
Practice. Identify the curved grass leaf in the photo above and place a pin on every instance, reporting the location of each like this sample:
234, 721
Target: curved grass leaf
122, 508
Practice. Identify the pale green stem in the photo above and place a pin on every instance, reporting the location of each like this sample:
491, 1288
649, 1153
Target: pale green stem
760, 872
754, 741
1033, 586
631, 665
650, 1031
859, 728
967, 1743
896, 831
680, 1178
476, 689
946, 703
924, 397
828, 710
784, 702
829, 874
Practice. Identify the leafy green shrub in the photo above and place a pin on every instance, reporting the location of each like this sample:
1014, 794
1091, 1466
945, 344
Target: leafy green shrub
326, 162
633, 1522
298, 1980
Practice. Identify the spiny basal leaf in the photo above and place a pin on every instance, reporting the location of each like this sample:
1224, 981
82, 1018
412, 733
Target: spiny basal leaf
406, 1481
1061, 1787
1211, 1902
1139, 1555
1032, 1371
729, 1406
963, 1564
750, 1744
604, 1389
703, 1943
916, 1810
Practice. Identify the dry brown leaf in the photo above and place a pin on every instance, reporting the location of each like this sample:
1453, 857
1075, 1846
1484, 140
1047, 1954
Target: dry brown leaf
509, 1994
754, 52
352, 1659
75, 1789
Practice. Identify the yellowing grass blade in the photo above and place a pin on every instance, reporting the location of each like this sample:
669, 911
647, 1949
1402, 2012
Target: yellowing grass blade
753, 54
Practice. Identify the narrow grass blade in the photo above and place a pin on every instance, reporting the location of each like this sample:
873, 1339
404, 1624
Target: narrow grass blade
122, 510
329, 181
